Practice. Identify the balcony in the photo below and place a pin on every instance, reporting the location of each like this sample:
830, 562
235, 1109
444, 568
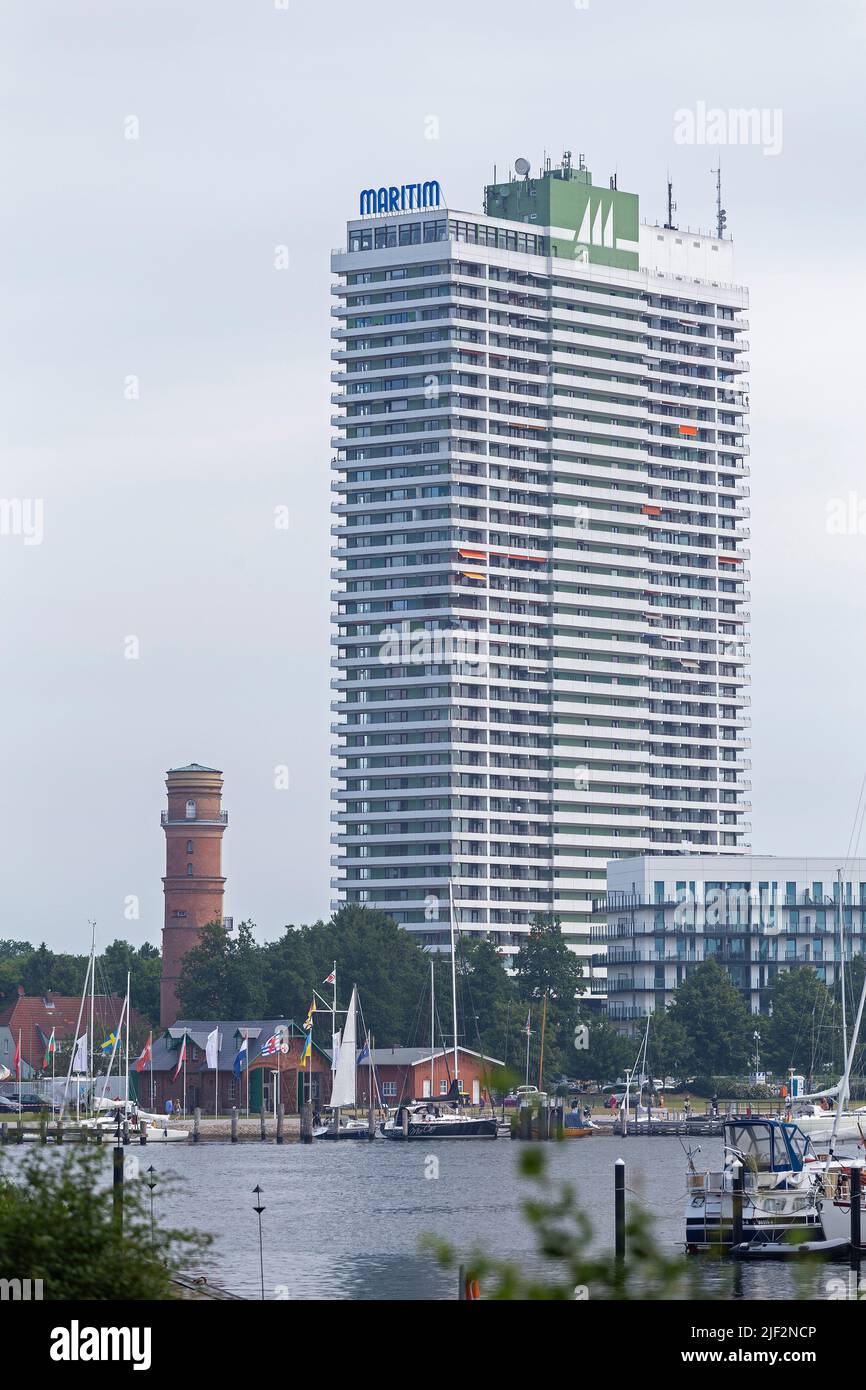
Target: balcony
165, 818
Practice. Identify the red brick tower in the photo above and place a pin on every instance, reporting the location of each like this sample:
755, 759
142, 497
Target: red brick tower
194, 824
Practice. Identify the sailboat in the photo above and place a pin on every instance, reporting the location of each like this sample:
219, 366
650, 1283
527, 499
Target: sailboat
344, 1088
440, 1119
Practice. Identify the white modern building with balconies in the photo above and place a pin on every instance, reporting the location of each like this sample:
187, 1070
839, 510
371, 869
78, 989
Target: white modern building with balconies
540, 551
758, 915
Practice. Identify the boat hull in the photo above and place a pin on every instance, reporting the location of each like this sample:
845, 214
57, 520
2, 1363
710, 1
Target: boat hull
433, 1129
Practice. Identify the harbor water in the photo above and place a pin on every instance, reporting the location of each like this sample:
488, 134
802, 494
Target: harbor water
346, 1220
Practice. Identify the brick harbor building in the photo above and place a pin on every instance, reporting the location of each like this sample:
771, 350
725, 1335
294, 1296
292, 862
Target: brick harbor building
403, 1073
31, 1014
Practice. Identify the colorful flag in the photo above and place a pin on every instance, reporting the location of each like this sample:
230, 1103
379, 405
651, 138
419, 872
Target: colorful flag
110, 1043
528, 1028
48, 1048
271, 1047
330, 979
212, 1049
146, 1055
241, 1056
308, 1021
308, 1047
364, 1054
16, 1060
180, 1060
79, 1061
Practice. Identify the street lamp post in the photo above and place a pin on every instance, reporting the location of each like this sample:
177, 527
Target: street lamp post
258, 1209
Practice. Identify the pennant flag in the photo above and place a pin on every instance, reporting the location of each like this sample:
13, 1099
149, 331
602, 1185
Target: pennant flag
528, 1028
308, 1021
241, 1057
212, 1049
180, 1060
364, 1054
330, 979
145, 1056
79, 1061
308, 1047
110, 1043
16, 1060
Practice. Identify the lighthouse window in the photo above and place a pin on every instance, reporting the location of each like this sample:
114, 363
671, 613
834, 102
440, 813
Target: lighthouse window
189, 870
190, 810
189, 846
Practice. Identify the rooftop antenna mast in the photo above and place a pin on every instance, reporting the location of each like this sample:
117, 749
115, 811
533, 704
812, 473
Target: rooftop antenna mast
672, 207
721, 215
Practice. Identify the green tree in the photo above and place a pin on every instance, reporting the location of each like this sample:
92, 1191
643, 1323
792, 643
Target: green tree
546, 969
144, 964
56, 1225
668, 1048
801, 1011
221, 977
489, 1000
608, 1054
715, 1021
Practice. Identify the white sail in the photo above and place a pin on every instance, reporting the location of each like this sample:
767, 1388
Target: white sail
343, 1092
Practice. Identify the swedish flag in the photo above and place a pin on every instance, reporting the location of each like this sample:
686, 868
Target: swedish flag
110, 1043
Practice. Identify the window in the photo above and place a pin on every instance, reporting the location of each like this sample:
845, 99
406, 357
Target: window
189, 870
443, 1088
178, 913
190, 810
189, 846
389, 1088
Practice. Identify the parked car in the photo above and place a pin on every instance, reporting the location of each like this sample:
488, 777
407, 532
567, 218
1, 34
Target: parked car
8, 1106
32, 1104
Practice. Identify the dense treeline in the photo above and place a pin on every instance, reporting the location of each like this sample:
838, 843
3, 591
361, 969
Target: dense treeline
708, 1029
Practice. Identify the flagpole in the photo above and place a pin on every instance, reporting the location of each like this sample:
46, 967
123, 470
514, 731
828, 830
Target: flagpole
19, 1072
126, 1084
184, 1074
216, 1080
247, 1036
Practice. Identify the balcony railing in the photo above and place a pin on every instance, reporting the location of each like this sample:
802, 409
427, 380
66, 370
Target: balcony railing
166, 818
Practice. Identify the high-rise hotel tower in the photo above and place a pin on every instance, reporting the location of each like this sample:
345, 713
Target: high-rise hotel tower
541, 550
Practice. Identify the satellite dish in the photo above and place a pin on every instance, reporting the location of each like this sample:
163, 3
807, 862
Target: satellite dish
521, 166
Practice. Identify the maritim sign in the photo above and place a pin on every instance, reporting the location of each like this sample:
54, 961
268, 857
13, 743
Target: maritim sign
401, 197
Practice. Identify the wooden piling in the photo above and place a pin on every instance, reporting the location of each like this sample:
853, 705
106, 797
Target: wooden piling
524, 1122
544, 1120
405, 1122
619, 1207
263, 1124
117, 1188
280, 1115
307, 1123
19, 1137
196, 1125
234, 1124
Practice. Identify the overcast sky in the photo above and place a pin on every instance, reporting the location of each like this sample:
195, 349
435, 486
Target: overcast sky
147, 265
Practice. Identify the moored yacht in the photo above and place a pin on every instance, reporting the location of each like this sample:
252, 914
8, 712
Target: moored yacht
428, 1119
780, 1180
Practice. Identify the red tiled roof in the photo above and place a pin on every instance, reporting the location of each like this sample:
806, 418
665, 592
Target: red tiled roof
60, 1012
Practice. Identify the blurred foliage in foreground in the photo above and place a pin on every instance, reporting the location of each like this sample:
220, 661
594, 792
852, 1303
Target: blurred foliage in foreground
563, 1236
56, 1224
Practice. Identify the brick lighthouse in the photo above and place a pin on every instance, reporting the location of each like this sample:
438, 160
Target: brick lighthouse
194, 824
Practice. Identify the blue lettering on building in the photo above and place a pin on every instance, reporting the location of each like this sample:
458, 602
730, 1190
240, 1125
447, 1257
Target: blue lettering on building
403, 197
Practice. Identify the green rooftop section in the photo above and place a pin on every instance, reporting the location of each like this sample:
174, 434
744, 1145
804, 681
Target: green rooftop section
603, 222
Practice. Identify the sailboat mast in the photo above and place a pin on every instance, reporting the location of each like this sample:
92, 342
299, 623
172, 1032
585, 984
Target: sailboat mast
453, 972
126, 1086
432, 1020
841, 1103
849, 1060
92, 998
77, 1035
